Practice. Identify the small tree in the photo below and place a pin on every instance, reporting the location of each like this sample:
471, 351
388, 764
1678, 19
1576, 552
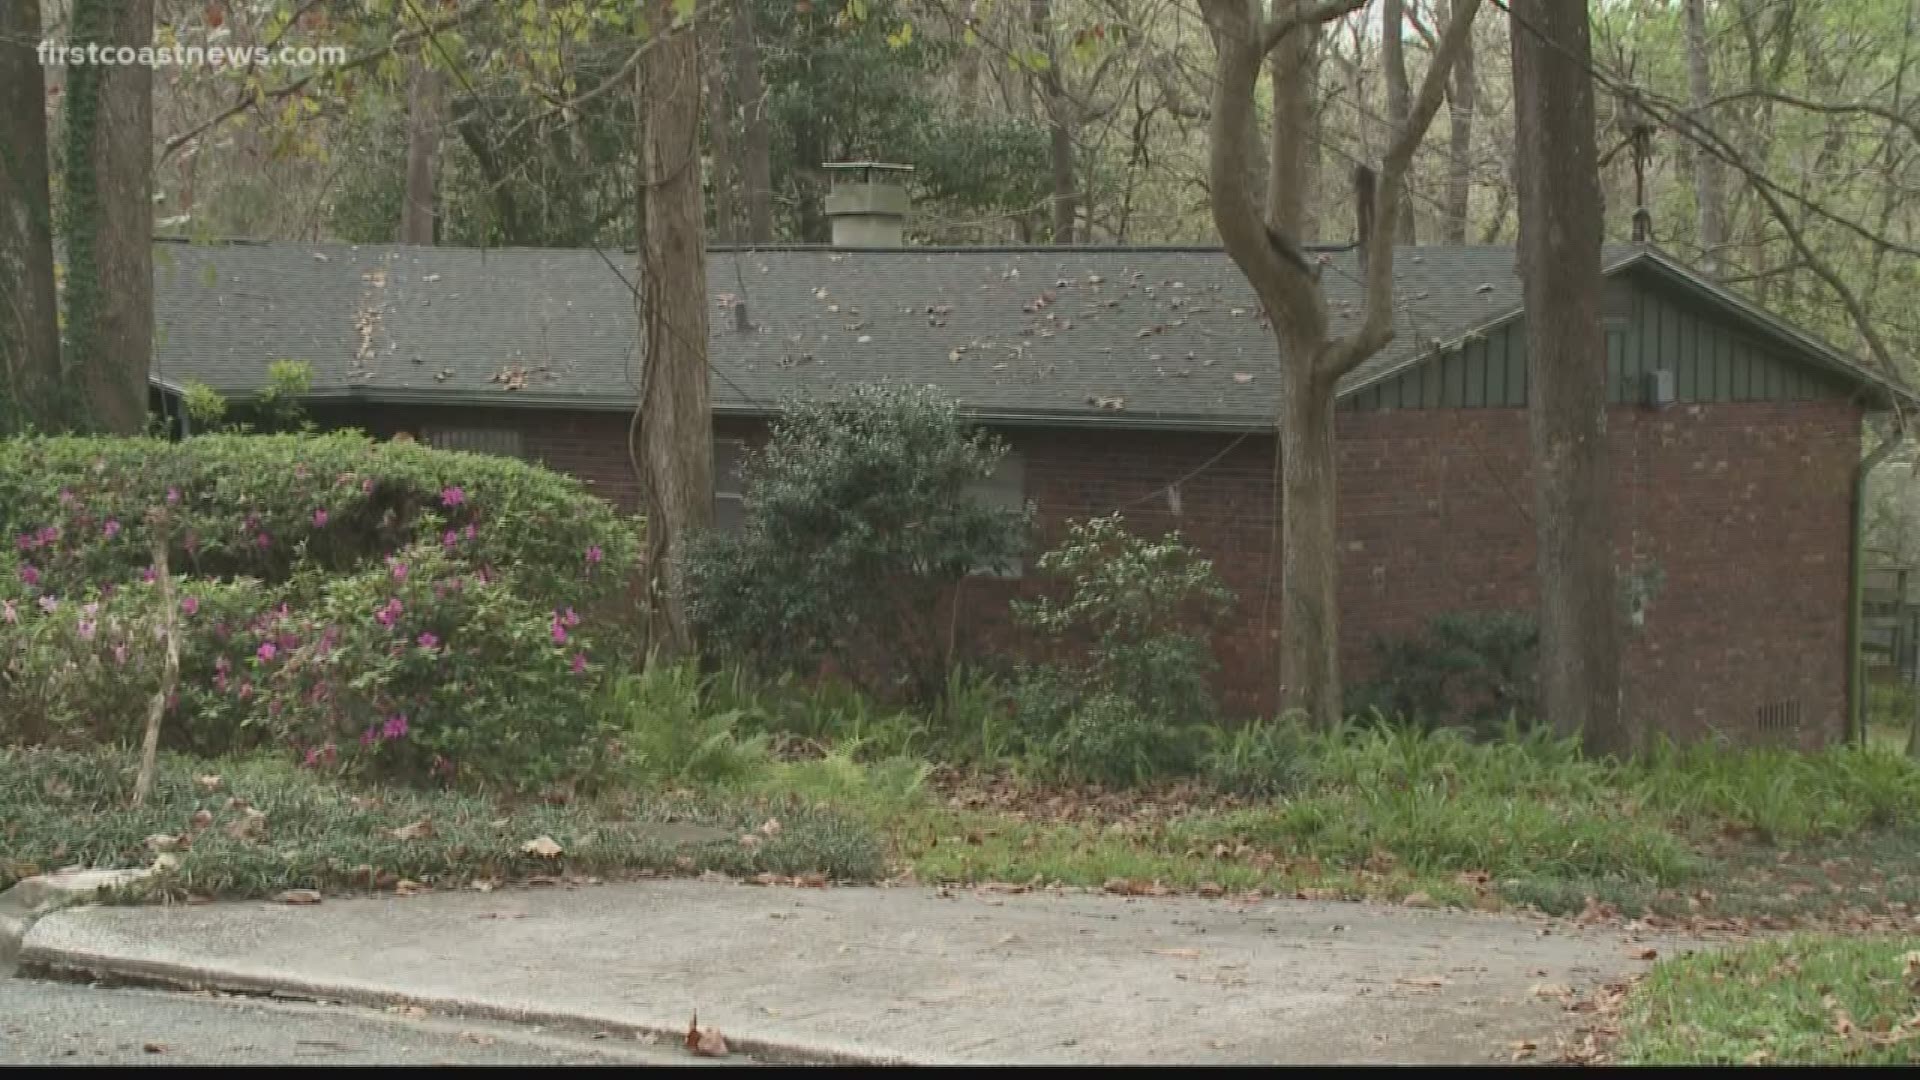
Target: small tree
857, 525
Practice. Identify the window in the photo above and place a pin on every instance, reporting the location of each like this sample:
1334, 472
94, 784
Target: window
504, 442
1006, 489
729, 504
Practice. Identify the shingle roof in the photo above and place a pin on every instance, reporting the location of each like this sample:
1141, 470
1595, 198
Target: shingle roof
1127, 335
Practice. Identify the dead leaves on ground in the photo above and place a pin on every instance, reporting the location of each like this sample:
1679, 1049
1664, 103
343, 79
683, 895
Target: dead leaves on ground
544, 846
299, 897
704, 1043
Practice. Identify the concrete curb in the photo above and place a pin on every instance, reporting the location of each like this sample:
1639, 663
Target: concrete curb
32, 899
79, 964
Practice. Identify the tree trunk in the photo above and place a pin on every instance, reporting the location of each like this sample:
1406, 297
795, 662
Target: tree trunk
1393, 57
426, 109
1293, 153
109, 219
30, 388
756, 139
1460, 145
1059, 113
1309, 553
726, 227
1709, 186
1558, 182
676, 431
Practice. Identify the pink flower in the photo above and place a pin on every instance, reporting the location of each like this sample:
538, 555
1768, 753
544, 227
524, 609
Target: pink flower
49, 534
579, 662
267, 651
428, 641
471, 531
367, 736
190, 604
66, 497
26, 541
385, 615
452, 496
173, 495
593, 553
246, 690
320, 518
49, 605
263, 540
449, 538
570, 618
111, 529
395, 727
559, 632
398, 568
29, 575
86, 629
146, 574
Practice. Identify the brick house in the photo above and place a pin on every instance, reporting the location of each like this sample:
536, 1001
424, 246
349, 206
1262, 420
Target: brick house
1143, 380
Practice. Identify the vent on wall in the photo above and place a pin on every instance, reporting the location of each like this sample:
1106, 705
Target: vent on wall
1778, 718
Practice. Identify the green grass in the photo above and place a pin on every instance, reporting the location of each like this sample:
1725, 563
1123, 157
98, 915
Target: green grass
1810, 999
63, 808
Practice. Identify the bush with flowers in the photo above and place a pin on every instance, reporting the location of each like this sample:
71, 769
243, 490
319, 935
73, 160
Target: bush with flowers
377, 608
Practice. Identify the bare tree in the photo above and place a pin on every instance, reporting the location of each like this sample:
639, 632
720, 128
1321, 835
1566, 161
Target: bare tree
1296, 126
1558, 180
675, 428
1460, 105
1393, 57
1312, 359
756, 138
426, 115
1060, 113
29, 322
724, 175
109, 218
1709, 188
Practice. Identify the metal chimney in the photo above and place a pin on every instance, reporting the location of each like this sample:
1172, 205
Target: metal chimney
867, 203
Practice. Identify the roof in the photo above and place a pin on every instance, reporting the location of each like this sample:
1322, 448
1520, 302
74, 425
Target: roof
1136, 336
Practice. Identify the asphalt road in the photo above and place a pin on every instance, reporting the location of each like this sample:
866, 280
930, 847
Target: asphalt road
61, 1024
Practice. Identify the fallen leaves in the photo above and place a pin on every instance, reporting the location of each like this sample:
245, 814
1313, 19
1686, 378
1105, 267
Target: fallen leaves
476, 1038
707, 1043
1417, 900
419, 830
544, 846
155, 1047
1522, 1049
299, 896
1551, 989
1643, 952
208, 783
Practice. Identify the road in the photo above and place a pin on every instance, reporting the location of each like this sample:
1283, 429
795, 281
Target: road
57, 1023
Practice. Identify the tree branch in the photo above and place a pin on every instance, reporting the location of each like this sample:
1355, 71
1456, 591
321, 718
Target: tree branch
1322, 12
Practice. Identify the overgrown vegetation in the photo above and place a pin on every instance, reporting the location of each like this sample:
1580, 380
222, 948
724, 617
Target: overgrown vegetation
1472, 670
1806, 1000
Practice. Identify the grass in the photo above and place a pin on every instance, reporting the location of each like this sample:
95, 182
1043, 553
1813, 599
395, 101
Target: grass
63, 808
1809, 999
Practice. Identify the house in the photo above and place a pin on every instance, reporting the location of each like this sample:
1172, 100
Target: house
1143, 380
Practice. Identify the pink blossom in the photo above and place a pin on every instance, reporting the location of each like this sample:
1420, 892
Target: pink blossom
471, 531
320, 518
367, 736
570, 618
593, 553
66, 497
246, 690
29, 575
190, 604
429, 641
263, 540
452, 496
449, 538
267, 651
579, 662
559, 632
90, 609
26, 541
398, 568
86, 629
49, 534
111, 529
395, 727
173, 495
146, 574
385, 615
49, 605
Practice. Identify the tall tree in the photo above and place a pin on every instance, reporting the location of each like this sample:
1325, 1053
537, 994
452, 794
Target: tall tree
716, 58
675, 428
1460, 106
1295, 132
426, 115
1709, 187
756, 141
1060, 113
108, 226
1393, 57
1312, 358
1557, 176
29, 324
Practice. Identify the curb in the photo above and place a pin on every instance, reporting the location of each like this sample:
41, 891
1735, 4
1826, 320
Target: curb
32, 899
82, 965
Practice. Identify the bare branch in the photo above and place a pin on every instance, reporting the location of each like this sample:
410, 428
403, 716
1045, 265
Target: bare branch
1323, 12
1829, 108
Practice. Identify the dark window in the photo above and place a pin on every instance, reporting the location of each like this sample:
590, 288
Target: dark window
729, 506
1006, 489
504, 442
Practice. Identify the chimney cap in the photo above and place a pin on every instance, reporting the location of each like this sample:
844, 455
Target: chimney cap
867, 168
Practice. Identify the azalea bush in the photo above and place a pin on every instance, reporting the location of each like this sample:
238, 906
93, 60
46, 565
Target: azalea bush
375, 608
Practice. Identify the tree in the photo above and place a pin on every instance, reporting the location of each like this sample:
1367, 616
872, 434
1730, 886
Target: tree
1296, 127
756, 144
675, 428
724, 175
1557, 176
1312, 358
1708, 186
29, 325
109, 218
1059, 112
1460, 104
1393, 56
426, 108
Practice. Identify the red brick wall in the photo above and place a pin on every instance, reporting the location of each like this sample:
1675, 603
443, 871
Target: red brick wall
1741, 511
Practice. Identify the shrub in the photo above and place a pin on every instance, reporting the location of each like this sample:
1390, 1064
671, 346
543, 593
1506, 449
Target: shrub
1260, 760
857, 521
1110, 739
670, 735
1472, 670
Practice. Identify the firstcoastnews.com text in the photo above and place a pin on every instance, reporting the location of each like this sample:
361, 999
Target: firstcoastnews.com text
94, 54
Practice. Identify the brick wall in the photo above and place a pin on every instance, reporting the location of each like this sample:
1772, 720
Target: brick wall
1739, 512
